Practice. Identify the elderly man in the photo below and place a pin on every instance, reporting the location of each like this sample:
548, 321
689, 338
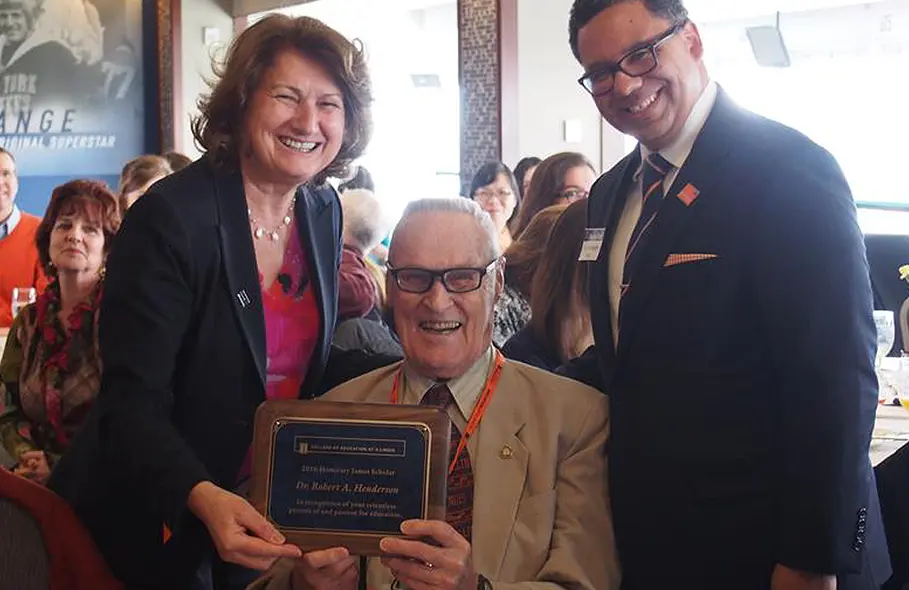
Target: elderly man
530, 490
731, 309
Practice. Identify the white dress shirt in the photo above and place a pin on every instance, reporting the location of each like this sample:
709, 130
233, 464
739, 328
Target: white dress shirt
676, 154
10, 223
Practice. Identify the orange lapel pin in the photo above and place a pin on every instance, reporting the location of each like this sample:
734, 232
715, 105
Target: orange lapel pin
688, 194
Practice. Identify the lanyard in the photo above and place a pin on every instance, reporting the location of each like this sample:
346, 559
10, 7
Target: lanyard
477, 415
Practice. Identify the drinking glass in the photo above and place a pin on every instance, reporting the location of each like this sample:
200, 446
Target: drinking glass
22, 296
886, 335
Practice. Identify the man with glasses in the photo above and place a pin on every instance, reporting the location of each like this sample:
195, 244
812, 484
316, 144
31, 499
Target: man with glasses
527, 497
731, 308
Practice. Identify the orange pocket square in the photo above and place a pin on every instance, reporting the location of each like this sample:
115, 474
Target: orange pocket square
676, 259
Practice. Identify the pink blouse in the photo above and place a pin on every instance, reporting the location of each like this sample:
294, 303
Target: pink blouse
292, 323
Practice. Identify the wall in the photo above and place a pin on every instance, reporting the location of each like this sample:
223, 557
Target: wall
548, 92
196, 59
831, 48
248, 7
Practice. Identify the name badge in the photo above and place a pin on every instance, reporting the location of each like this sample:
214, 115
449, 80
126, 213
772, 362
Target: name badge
593, 241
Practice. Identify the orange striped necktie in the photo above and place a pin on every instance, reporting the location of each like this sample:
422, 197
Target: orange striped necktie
653, 174
459, 509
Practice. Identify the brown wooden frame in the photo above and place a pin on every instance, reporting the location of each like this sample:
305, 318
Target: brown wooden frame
271, 413
168, 29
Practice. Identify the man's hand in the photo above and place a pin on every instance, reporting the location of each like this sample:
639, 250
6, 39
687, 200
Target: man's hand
33, 465
241, 535
330, 569
422, 566
785, 578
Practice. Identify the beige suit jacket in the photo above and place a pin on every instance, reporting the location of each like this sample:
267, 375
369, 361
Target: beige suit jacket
541, 517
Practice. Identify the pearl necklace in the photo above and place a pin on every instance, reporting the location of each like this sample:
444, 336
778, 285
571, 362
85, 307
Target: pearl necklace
274, 235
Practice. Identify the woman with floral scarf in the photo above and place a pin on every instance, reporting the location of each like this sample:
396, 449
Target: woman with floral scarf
51, 368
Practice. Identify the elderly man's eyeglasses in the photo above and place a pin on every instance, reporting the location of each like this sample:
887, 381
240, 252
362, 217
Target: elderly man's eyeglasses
635, 63
455, 280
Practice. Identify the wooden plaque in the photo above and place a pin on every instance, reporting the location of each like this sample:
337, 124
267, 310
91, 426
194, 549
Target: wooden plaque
338, 474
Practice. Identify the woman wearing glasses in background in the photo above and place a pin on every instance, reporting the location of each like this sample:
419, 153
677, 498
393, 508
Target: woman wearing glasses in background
495, 190
559, 179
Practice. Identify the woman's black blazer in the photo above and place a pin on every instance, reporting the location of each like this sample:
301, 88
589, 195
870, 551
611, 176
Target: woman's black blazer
183, 347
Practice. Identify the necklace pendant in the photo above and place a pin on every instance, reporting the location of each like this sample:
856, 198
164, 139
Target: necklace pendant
287, 220
274, 236
259, 233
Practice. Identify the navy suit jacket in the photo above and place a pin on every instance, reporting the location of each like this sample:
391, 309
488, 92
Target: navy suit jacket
742, 389
182, 335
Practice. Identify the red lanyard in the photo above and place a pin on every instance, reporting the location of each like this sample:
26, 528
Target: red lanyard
477, 415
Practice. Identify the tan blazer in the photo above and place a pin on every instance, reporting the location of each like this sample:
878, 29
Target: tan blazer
541, 515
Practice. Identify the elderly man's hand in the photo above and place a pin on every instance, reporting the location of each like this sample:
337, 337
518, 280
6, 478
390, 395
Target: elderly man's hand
330, 569
422, 566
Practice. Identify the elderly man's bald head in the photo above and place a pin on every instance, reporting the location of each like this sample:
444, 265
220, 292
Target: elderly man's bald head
417, 212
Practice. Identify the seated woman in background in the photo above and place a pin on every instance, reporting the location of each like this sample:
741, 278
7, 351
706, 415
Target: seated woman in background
560, 179
523, 173
362, 341
364, 226
495, 190
559, 328
138, 175
51, 367
512, 310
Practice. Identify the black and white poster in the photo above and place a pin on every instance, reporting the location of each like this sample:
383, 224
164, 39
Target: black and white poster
71, 85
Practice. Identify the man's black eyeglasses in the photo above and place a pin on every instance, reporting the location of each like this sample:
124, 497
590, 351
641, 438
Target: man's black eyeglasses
636, 63
455, 280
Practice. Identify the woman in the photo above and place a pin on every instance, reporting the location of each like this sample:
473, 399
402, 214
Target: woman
512, 310
523, 173
560, 179
138, 175
559, 328
495, 190
216, 303
51, 367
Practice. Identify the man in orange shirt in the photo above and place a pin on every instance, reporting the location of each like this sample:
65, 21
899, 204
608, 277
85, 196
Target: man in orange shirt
19, 266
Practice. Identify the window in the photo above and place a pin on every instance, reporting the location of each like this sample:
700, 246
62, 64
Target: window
845, 90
